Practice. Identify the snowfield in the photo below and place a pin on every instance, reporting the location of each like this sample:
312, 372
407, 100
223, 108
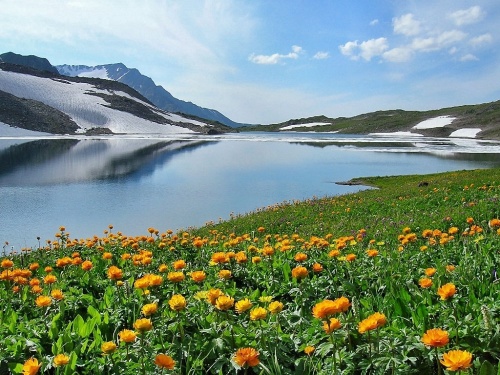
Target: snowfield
436, 122
88, 111
309, 125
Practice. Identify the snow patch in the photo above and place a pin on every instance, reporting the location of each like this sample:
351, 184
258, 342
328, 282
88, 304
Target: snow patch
96, 73
465, 133
436, 122
12, 131
308, 125
397, 134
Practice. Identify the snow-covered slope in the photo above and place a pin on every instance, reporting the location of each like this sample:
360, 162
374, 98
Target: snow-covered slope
89, 106
146, 87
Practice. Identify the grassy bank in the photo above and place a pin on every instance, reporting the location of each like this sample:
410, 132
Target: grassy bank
398, 279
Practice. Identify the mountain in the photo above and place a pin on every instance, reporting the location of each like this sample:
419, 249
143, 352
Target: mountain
147, 87
35, 62
39, 100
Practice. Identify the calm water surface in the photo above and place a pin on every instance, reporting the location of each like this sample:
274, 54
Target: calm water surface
136, 183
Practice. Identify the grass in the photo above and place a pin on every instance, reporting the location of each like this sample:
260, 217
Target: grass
419, 252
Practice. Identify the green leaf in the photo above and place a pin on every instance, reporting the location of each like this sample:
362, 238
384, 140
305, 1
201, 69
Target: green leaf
487, 369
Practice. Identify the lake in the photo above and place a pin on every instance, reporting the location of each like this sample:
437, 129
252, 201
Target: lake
135, 182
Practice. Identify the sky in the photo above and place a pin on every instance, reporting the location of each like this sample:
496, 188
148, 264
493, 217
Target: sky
268, 61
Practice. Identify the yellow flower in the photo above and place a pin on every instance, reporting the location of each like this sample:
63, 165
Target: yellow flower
457, 360
425, 282
332, 325
258, 313
275, 307
127, 336
108, 347
164, 361
256, 260
246, 357
179, 264
242, 305
220, 257
149, 309
447, 291
435, 337
31, 366
224, 303
61, 360
143, 325
265, 299
309, 350
43, 301
177, 302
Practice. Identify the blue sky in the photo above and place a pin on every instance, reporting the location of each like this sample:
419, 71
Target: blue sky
267, 61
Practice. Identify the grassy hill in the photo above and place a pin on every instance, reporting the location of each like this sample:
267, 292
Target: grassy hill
484, 116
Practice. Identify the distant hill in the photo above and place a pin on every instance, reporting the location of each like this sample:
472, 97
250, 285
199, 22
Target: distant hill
39, 100
482, 120
147, 87
35, 62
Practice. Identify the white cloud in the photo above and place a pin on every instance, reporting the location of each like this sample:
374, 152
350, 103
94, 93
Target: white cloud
406, 25
367, 49
467, 16
275, 57
438, 42
481, 39
321, 55
469, 57
374, 22
398, 54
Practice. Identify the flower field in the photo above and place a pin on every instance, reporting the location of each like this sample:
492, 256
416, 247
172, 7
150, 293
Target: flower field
401, 280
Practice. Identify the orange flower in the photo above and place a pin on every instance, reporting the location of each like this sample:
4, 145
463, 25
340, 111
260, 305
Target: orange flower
275, 307
332, 325
49, 279
34, 266
108, 347
7, 263
114, 273
143, 325
225, 274
425, 282
435, 337
430, 272
61, 360
31, 366
317, 268
309, 350
127, 336
450, 268
57, 294
300, 257
447, 291
246, 357
350, 257
177, 302
243, 305
457, 360
149, 309
328, 307
374, 321
175, 277
107, 256
299, 272
220, 257
258, 313
372, 253
198, 276
87, 265
213, 294
224, 303
179, 264
164, 361
43, 301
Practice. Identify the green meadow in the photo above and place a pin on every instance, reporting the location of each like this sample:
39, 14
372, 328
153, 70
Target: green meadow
400, 278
